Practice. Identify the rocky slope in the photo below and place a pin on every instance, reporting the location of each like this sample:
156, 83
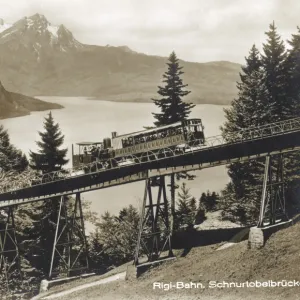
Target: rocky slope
15, 105
38, 58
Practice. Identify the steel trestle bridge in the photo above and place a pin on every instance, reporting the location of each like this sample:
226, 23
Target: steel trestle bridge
272, 140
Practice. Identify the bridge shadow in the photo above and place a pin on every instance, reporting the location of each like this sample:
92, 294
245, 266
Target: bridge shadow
193, 238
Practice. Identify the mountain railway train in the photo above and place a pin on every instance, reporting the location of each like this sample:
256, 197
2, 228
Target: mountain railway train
142, 145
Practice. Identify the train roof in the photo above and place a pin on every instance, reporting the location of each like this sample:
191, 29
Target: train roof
155, 129
88, 143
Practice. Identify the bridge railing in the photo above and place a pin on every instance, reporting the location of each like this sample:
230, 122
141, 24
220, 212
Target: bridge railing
210, 142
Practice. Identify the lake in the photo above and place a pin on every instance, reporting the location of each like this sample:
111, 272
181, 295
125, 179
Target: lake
91, 120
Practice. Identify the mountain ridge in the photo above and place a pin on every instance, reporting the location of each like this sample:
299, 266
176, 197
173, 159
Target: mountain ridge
38, 58
17, 105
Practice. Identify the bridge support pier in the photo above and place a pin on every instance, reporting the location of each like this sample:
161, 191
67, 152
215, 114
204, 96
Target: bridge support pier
155, 228
9, 251
69, 252
273, 193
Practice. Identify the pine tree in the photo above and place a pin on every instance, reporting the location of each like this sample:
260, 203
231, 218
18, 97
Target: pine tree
213, 201
49, 158
173, 109
186, 211
292, 160
293, 72
118, 235
282, 80
200, 215
99, 259
251, 108
11, 159
274, 63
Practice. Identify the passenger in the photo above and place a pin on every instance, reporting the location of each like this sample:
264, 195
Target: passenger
85, 150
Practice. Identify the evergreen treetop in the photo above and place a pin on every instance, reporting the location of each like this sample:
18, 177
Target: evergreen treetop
173, 109
50, 157
250, 108
293, 72
11, 159
275, 68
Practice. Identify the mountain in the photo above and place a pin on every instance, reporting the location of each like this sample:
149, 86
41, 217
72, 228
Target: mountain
38, 58
4, 26
15, 105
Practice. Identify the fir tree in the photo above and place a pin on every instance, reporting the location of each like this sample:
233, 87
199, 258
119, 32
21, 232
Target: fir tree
118, 235
282, 81
186, 211
274, 63
49, 158
251, 108
173, 109
292, 161
293, 72
11, 159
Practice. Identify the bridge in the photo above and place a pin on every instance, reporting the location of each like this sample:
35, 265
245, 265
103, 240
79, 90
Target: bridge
271, 141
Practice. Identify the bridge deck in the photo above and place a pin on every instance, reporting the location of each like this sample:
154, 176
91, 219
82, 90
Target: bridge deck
268, 140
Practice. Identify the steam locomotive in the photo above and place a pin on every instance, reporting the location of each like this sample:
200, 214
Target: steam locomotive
142, 145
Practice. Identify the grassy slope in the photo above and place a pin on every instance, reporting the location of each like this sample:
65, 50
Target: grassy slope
278, 260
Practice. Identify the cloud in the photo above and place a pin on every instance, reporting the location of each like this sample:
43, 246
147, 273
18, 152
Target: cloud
198, 30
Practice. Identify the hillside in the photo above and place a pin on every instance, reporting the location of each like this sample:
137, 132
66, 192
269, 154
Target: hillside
278, 260
16, 105
38, 58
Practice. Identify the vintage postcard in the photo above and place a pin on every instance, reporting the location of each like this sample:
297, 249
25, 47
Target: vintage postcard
149, 149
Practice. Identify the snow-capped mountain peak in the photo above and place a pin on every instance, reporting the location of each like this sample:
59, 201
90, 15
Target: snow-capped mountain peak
36, 33
3, 25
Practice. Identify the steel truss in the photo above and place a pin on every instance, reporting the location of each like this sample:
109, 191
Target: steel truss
70, 253
252, 133
9, 251
155, 228
273, 193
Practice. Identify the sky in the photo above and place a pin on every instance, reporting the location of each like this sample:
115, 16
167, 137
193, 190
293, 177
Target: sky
197, 30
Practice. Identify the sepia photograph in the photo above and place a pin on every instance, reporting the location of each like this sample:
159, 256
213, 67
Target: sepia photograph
149, 150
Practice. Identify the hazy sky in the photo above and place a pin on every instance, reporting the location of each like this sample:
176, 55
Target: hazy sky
198, 30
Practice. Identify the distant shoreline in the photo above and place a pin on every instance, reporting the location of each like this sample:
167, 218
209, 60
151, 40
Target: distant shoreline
94, 98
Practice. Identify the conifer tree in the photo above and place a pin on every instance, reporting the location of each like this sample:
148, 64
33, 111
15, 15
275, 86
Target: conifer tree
249, 109
200, 215
282, 80
49, 158
293, 72
187, 210
172, 107
11, 159
118, 235
292, 160
274, 57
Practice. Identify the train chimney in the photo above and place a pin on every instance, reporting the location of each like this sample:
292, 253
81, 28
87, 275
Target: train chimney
106, 143
113, 134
